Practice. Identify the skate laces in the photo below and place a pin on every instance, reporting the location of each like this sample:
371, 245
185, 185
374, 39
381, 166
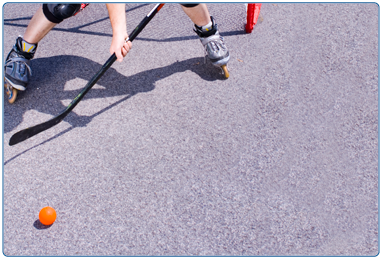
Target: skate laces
213, 43
214, 46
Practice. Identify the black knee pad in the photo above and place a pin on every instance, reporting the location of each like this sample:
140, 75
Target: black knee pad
189, 5
56, 13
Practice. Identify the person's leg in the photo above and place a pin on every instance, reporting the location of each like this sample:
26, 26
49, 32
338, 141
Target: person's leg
198, 13
38, 27
208, 33
17, 65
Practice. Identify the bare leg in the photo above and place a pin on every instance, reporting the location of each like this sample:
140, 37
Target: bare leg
198, 14
38, 27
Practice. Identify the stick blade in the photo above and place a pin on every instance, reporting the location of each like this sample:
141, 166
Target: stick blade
30, 132
19, 137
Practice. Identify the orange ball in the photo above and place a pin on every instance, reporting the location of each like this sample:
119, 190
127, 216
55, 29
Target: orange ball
47, 216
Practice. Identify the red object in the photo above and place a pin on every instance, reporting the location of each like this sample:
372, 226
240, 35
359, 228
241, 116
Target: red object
82, 8
253, 11
47, 216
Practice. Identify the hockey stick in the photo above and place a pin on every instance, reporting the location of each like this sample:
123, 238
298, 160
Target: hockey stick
30, 132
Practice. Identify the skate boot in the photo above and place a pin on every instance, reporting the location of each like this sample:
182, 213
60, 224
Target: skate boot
17, 68
214, 45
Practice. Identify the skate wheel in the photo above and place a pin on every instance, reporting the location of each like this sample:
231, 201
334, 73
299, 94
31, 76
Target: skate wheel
11, 92
225, 71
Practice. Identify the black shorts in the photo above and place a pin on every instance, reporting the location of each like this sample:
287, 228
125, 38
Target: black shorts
189, 5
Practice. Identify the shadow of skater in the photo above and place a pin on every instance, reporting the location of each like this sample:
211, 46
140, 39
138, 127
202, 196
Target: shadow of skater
46, 89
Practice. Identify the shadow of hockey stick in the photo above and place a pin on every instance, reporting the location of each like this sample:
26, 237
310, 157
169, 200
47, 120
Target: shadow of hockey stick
68, 129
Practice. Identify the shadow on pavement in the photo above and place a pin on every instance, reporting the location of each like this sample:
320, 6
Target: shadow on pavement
46, 91
14, 22
38, 225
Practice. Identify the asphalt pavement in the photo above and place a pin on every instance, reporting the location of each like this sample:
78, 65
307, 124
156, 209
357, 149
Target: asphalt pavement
164, 157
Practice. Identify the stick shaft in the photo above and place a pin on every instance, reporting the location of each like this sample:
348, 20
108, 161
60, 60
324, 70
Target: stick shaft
30, 132
113, 58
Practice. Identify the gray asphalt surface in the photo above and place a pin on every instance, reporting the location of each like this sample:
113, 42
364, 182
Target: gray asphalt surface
165, 157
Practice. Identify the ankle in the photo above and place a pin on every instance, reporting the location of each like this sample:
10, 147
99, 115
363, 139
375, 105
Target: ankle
206, 30
25, 48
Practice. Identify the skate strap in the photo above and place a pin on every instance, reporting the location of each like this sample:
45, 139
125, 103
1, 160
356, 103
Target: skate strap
207, 40
25, 61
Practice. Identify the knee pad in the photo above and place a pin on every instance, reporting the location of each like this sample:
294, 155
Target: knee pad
56, 13
189, 5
